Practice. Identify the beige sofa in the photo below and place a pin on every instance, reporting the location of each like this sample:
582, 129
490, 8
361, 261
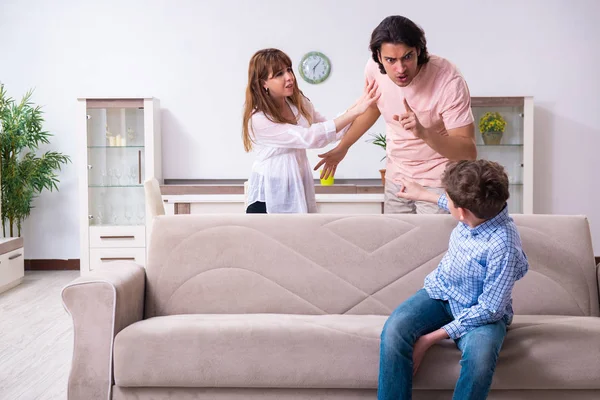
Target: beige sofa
292, 306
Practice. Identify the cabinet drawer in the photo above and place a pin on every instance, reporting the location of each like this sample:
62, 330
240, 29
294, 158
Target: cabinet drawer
100, 257
117, 236
12, 267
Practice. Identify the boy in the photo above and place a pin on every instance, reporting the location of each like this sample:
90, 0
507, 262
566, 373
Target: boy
468, 297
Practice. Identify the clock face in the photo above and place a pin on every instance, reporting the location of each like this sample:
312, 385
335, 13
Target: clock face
315, 67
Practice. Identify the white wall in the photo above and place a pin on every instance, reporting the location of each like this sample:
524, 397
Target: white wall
193, 55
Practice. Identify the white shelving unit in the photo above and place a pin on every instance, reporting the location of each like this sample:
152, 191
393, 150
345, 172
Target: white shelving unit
515, 151
121, 143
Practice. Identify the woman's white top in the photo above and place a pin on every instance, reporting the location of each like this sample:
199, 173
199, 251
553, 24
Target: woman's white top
281, 175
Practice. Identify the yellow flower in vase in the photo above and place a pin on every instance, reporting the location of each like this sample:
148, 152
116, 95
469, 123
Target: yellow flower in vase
491, 126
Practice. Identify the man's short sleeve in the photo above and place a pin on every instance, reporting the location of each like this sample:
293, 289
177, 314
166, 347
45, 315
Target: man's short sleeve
456, 104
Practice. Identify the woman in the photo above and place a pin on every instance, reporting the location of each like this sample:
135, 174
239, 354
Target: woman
280, 123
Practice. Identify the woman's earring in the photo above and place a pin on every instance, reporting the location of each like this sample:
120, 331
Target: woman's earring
267, 90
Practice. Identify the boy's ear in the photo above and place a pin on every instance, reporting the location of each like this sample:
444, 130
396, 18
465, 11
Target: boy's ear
462, 213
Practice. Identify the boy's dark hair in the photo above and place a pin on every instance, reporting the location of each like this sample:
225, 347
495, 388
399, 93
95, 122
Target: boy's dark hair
480, 186
396, 29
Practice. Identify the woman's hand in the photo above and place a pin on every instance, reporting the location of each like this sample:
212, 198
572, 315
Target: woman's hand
367, 99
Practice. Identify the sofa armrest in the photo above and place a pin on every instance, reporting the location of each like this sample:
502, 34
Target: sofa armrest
101, 305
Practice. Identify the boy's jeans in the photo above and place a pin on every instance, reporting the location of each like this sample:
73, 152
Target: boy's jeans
418, 316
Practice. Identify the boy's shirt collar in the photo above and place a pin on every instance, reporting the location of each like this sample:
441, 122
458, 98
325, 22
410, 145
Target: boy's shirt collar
487, 227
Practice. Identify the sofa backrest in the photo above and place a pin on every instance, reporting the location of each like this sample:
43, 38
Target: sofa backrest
331, 264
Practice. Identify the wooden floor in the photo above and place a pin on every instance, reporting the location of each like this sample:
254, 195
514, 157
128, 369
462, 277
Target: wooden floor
36, 338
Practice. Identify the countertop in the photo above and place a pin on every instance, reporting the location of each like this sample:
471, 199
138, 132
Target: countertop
177, 187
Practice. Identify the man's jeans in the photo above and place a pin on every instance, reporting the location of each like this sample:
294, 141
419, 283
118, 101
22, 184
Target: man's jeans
418, 316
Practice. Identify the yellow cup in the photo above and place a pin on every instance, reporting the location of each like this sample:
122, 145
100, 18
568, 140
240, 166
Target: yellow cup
328, 181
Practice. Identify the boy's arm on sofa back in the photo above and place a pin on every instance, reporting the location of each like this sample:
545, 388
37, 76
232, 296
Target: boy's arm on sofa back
101, 305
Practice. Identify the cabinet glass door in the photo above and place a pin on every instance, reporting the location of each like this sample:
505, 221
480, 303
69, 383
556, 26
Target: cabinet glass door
115, 157
508, 153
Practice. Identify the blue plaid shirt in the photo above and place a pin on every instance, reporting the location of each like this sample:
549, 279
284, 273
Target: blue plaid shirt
477, 274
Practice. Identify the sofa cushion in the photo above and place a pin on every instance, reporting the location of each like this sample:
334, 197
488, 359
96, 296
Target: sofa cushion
338, 351
331, 264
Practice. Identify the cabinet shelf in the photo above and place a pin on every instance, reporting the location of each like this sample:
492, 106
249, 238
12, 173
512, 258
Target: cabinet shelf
498, 145
497, 101
109, 225
116, 186
116, 147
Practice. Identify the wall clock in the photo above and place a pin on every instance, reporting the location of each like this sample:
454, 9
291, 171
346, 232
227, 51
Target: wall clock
314, 67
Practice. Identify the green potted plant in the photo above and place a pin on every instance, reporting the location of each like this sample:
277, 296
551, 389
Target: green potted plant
24, 173
379, 139
491, 126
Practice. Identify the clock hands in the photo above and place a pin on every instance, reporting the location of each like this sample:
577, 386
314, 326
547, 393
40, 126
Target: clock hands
316, 66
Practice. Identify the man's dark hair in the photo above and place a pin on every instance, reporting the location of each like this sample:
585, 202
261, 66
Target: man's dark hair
396, 29
480, 186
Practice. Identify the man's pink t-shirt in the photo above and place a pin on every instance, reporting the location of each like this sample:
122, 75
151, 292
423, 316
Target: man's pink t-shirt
440, 98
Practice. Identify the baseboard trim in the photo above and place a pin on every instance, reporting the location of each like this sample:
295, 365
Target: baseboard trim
52, 265
73, 264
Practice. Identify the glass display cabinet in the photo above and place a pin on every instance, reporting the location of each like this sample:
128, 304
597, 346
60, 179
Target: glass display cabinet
513, 148
120, 147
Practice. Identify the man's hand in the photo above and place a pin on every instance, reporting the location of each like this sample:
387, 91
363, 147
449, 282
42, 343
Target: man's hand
413, 191
410, 122
424, 343
331, 159
459, 144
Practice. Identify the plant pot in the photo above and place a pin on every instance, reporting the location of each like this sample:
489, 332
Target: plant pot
491, 138
382, 172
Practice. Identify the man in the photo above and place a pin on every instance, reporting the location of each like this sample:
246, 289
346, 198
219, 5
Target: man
426, 105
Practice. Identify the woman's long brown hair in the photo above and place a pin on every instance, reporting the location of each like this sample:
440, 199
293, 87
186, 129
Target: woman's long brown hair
263, 63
